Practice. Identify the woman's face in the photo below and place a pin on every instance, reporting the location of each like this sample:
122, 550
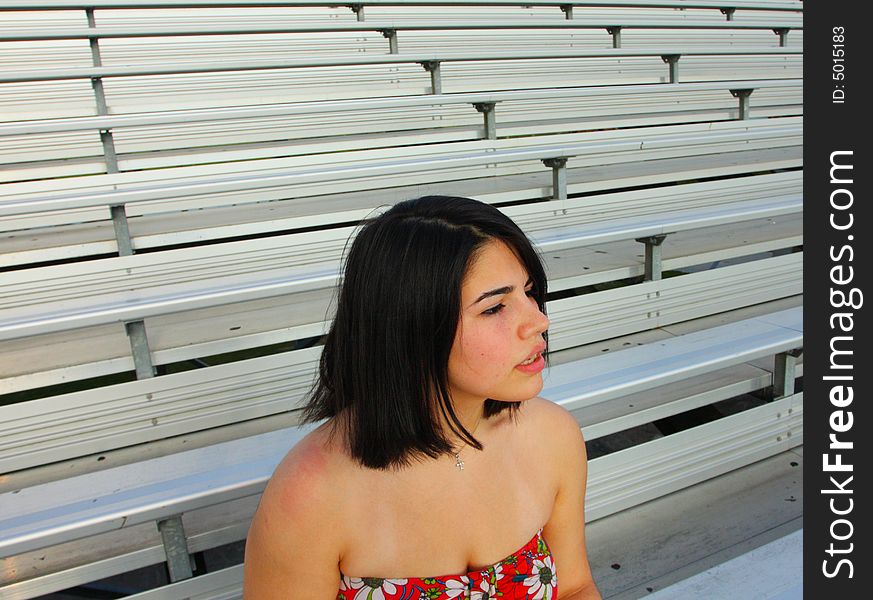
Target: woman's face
500, 327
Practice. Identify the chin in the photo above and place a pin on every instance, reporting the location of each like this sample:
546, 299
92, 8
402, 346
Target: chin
519, 397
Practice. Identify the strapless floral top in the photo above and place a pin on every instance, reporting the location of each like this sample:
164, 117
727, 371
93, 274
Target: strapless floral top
526, 574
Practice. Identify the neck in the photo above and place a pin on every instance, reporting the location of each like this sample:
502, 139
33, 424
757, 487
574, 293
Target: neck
471, 416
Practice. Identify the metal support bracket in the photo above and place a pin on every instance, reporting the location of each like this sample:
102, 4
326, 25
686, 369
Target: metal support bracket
139, 347
176, 548
615, 32
436, 80
487, 109
567, 9
391, 34
743, 95
100, 98
673, 61
784, 373
122, 232
358, 9
108, 144
729, 13
653, 255
559, 177
782, 32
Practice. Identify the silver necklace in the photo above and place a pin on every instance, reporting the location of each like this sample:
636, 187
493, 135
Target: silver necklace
458, 462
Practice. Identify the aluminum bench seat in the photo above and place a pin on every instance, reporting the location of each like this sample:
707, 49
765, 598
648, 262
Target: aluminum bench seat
377, 26
33, 246
169, 138
65, 426
102, 72
131, 188
58, 155
63, 511
156, 230
69, 356
225, 584
249, 182
63, 297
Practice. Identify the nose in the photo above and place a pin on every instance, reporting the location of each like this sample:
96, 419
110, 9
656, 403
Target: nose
535, 322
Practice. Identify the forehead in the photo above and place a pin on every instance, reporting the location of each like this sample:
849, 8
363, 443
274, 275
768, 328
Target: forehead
496, 265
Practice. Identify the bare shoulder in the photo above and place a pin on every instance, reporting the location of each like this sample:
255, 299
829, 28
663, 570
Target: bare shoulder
556, 432
312, 466
295, 541
545, 416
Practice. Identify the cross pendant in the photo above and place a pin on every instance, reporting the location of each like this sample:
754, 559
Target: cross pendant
458, 462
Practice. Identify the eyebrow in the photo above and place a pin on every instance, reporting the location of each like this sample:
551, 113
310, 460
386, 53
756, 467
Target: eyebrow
499, 291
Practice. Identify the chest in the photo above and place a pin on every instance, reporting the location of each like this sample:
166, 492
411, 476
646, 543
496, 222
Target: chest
437, 520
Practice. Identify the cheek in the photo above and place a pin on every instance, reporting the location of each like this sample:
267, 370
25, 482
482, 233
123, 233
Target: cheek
484, 348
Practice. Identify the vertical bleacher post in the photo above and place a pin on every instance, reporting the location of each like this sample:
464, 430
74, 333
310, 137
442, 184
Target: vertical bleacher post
672, 61
743, 96
615, 32
436, 80
653, 256
784, 373
176, 548
487, 110
391, 35
782, 32
559, 177
139, 347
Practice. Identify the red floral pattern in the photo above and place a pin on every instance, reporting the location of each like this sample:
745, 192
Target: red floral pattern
527, 574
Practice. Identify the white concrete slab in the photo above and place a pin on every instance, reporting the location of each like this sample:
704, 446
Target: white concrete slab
772, 571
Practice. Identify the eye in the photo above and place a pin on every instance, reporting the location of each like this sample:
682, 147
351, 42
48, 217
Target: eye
494, 309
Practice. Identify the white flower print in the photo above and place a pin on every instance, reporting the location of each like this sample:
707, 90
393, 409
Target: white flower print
487, 589
542, 580
456, 588
374, 588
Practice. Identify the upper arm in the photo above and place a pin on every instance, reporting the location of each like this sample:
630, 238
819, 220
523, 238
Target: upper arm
565, 530
293, 545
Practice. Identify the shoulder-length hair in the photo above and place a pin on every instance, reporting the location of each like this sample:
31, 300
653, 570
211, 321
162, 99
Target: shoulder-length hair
384, 366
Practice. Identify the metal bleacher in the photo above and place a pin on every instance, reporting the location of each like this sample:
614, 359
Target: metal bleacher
178, 180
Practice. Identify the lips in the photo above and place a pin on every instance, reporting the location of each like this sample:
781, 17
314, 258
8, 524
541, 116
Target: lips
533, 355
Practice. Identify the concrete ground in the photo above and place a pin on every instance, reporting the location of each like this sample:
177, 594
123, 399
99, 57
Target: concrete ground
645, 549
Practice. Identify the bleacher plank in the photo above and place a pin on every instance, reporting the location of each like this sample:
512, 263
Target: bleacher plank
40, 431
224, 184
302, 262
55, 358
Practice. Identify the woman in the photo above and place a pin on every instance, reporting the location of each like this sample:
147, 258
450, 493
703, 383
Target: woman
439, 336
